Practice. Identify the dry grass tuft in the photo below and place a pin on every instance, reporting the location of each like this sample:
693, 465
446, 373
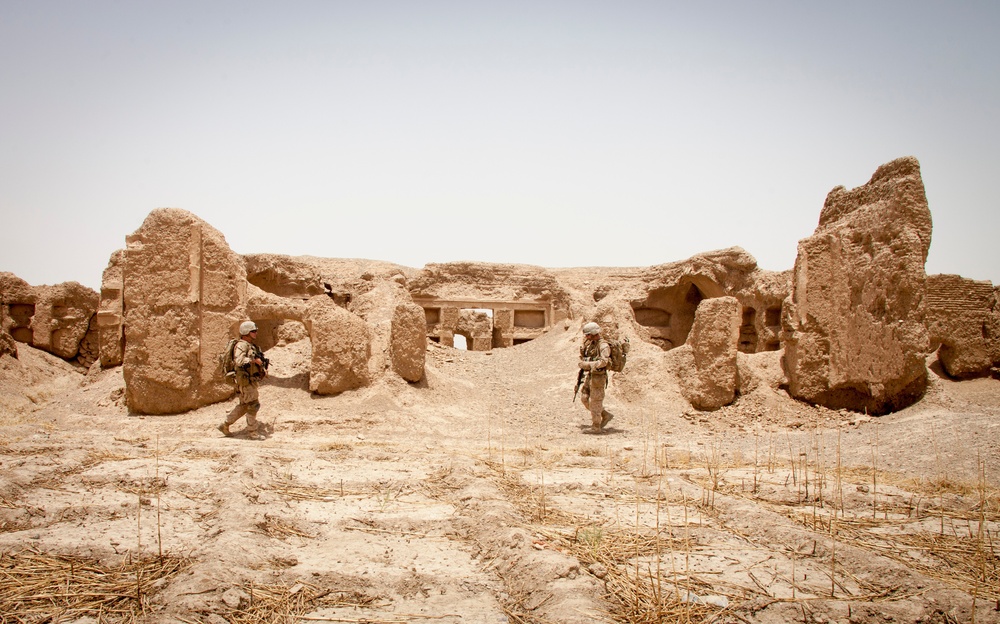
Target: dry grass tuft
531, 501
278, 604
30, 450
333, 446
960, 560
640, 590
280, 529
290, 491
944, 528
38, 587
95, 458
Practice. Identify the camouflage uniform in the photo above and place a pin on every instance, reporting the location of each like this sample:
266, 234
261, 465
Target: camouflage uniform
248, 376
596, 380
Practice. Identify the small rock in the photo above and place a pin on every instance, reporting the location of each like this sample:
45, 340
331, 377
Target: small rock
234, 598
598, 570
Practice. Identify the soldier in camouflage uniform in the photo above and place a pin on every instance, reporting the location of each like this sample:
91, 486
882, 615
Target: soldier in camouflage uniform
250, 369
595, 356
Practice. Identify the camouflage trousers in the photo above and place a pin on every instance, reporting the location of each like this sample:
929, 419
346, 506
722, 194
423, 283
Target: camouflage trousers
248, 406
592, 397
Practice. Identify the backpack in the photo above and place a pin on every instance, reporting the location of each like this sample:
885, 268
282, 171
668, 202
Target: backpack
226, 362
619, 353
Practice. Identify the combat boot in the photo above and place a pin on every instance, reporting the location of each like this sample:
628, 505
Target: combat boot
224, 428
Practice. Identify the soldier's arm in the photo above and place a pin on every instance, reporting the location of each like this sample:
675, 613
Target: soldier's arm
605, 358
242, 354
602, 361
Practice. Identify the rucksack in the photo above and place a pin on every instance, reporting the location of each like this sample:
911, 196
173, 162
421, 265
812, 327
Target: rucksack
226, 362
619, 353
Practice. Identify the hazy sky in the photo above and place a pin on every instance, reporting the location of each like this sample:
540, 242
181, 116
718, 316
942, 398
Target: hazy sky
543, 132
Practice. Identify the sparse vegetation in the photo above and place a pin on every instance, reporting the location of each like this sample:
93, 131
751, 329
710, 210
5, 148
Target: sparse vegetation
499, 507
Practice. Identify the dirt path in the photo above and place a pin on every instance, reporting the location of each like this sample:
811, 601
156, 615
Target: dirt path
476, 496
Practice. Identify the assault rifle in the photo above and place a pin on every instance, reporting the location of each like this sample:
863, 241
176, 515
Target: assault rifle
256, 355
579, 382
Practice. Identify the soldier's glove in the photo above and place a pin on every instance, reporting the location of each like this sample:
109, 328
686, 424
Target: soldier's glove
586, 365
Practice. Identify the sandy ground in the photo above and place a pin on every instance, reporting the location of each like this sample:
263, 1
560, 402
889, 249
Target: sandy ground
477, 496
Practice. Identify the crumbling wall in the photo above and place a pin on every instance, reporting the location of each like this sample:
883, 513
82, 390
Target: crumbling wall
184, 293
856, 316
477, 327
665, 298
372, 290
111, 312
17, 307
58, 319
341, 347
408, 341
992, 331
489, 281
304, 277
8, 346
396, 329
525, 302
960, 313
707, 363
853, 326
762, 298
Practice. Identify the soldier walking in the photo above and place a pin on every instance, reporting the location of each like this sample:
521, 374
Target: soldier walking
251, 367
595, 356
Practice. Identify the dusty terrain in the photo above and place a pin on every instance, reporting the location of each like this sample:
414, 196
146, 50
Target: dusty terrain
476, 496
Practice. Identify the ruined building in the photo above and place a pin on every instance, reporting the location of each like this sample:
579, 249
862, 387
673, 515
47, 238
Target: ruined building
855, 318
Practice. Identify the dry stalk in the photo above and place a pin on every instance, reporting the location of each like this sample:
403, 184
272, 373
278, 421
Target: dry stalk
95, 458
875, 473
278, 604
529, 501
49, 451
641, 590
35, 587
159, 535
840, 478
756, 462
954, 558
278, 528
306, 492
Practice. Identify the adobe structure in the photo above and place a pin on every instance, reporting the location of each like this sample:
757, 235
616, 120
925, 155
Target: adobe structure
856, 317
854, 326
58, 319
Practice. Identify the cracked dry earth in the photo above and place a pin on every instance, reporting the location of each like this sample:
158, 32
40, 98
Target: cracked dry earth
476, 496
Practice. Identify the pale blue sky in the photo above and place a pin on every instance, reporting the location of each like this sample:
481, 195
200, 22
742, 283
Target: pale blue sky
544, 132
